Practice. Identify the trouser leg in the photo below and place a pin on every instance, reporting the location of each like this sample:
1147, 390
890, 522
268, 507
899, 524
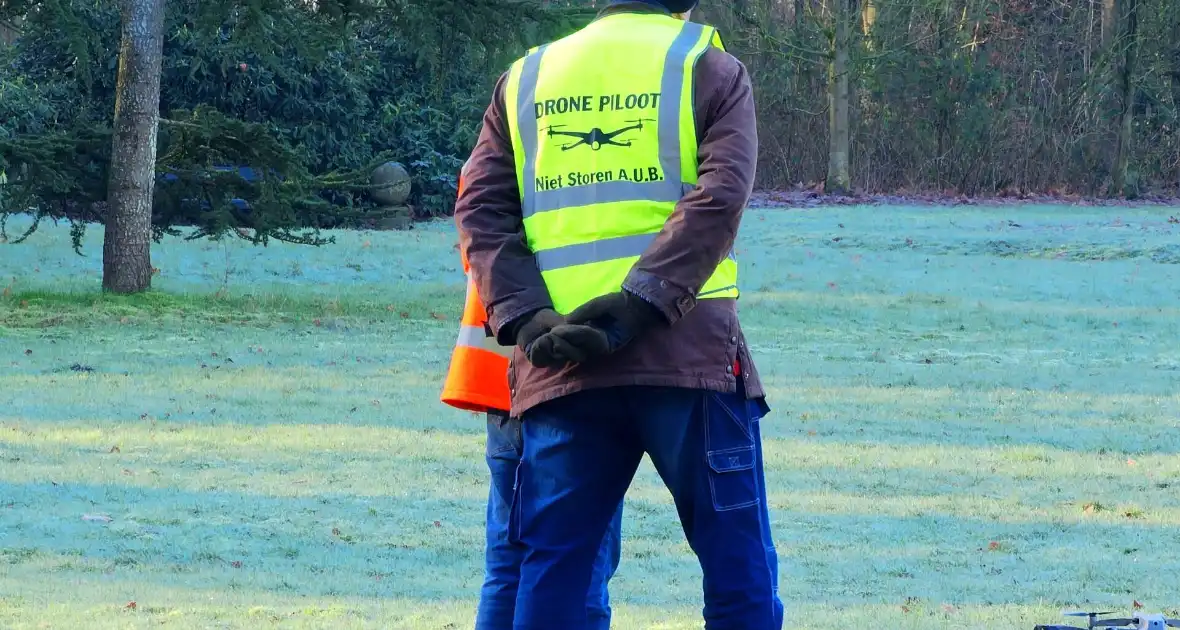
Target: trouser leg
764, 508
497, 598
579, 457
707, 448
598, 610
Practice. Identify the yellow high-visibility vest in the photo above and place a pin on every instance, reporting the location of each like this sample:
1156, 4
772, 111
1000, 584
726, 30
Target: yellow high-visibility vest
604, 137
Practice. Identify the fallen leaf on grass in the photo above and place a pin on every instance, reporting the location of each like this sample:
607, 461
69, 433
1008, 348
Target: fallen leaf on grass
438, 523
115, 449
237, 564
1131, 462
96, 518
1136, 605
130, 606
994, 545
128, 472
439, 316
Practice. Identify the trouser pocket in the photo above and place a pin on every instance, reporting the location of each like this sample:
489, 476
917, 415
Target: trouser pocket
731, 451
504, 436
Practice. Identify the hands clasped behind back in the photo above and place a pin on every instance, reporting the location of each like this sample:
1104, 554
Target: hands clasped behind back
597, 328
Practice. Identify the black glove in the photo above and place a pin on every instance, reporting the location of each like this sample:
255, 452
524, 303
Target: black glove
527, 329
567, 343
622, 316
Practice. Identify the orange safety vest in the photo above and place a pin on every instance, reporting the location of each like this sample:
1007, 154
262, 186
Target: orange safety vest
478, 377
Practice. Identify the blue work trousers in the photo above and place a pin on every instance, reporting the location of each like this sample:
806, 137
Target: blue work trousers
497, 600
581, 452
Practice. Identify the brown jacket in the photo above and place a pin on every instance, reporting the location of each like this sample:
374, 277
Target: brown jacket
702, 341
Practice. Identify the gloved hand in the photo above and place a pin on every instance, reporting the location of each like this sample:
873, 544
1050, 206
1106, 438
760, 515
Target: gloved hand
531, 327
567, 343
622, 316
547, 341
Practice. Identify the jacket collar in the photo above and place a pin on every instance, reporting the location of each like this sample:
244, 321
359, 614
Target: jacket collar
632, 6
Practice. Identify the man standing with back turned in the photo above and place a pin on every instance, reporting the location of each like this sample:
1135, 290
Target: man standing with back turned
625, 154
477, 380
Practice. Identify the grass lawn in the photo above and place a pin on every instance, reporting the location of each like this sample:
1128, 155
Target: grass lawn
976, 422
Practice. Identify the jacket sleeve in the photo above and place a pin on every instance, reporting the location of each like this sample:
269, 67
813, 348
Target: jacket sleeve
701, 231
491, 227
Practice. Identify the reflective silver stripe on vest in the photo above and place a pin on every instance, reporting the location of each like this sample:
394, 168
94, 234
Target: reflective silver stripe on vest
594, 251
477, 337
597, 251
671, 189
526, 118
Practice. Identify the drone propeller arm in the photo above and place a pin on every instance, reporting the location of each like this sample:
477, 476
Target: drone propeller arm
571, 134
1114, 623
619, 132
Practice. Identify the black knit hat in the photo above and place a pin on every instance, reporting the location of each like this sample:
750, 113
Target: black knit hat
675, 6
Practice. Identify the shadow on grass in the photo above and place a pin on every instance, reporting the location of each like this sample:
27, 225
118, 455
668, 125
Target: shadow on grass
1084, 436
46, 309
338, 545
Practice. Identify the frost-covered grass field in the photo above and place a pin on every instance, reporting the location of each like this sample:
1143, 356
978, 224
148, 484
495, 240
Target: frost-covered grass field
976, 422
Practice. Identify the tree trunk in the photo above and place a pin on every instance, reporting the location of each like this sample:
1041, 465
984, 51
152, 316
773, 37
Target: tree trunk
126, 251
1122, 161
1108, 21
1175, 38
868, 16
838, 181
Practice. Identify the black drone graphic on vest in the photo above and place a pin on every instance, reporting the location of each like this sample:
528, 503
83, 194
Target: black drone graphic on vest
596, 138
